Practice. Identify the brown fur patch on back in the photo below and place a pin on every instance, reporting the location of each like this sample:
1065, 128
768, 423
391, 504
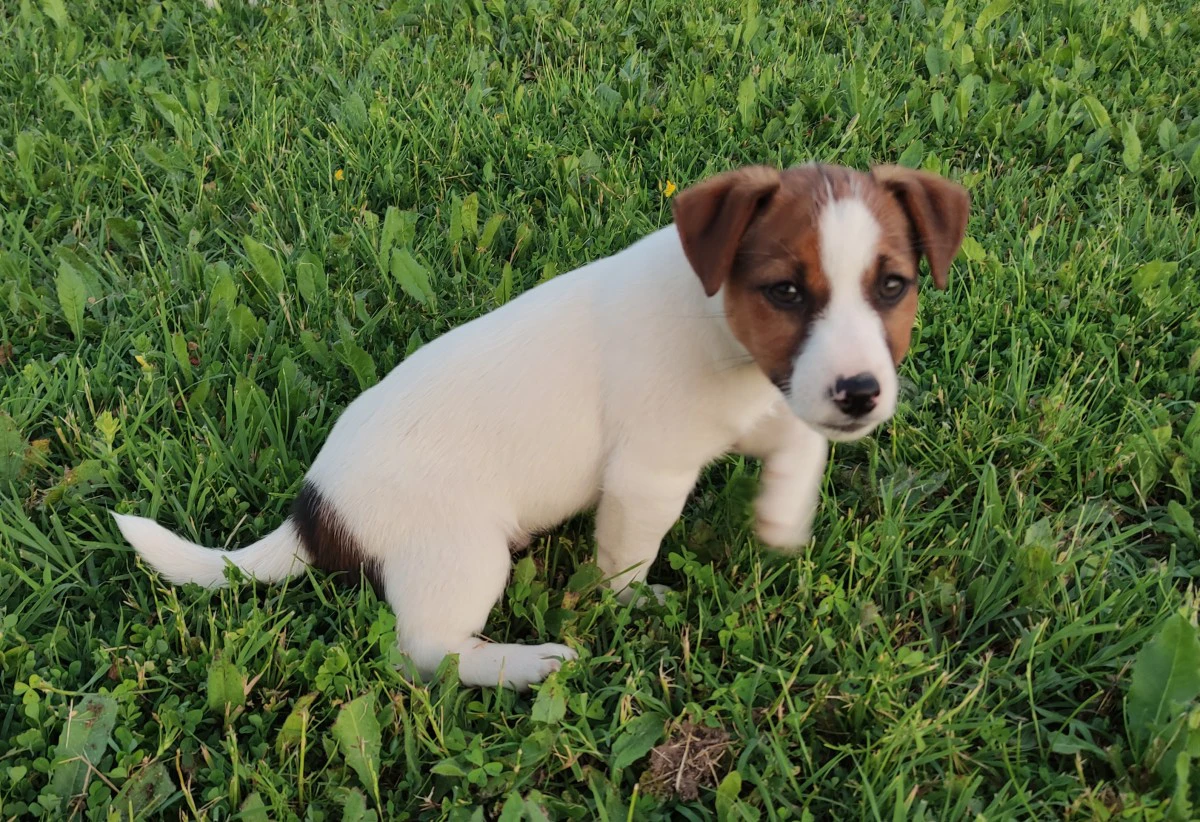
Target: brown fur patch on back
330, 545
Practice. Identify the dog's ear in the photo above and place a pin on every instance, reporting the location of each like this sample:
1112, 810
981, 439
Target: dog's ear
937, 210
712, 216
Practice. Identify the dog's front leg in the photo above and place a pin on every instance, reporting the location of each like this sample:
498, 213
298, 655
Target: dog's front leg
637, 507
793, 457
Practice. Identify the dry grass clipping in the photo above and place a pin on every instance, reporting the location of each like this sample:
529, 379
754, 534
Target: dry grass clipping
693, 757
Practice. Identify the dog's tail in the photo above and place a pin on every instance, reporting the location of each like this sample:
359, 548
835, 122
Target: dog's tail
274, 558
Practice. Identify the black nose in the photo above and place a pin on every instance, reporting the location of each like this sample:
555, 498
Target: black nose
856, 395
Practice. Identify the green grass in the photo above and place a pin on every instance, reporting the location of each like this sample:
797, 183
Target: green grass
958, 641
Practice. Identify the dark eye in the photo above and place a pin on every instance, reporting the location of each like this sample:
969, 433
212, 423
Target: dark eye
784, 295
892, 287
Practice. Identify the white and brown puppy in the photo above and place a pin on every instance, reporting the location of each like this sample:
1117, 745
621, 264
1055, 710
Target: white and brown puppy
767, 320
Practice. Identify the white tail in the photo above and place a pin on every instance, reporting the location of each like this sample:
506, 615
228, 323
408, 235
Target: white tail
274, 558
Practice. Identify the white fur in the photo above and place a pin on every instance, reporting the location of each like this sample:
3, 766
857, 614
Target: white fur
848, 338
274, 558
610, 386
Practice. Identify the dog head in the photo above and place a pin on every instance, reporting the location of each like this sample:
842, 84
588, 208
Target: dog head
817, 267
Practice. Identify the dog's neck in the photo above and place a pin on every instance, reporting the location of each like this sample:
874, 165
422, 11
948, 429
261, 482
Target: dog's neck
657, 270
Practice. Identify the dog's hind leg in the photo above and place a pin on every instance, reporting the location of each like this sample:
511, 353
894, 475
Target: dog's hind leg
442, 598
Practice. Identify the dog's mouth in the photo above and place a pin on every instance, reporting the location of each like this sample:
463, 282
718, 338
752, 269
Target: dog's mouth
845, 431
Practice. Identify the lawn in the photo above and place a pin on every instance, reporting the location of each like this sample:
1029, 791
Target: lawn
218, 226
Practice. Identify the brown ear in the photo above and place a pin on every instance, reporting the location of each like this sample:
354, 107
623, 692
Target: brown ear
712, 216
937, 209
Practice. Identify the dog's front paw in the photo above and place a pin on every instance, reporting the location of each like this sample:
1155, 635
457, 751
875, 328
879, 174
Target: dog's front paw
527, 665
657, 594
781, 534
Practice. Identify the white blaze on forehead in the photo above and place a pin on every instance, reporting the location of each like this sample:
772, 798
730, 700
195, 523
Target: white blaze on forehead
848, 337
848, 234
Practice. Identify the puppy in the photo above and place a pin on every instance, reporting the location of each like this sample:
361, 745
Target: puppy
767, 320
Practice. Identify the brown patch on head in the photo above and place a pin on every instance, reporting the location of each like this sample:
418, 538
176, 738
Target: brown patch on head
694, 757
896, 257
780, 247
756, 233
937, 212
712, 216
931, 222
330, 545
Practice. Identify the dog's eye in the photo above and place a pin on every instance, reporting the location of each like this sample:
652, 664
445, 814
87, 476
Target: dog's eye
892, 287
784, 295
